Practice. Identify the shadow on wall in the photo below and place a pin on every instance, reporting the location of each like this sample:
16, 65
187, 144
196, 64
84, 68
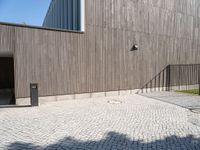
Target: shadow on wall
116, 141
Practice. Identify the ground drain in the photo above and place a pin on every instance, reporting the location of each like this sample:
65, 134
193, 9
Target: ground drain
114, 101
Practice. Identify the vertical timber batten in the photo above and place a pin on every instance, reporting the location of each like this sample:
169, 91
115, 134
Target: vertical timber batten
100, 60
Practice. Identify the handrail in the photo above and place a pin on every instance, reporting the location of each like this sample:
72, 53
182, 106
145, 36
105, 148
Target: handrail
162, 72
174, 77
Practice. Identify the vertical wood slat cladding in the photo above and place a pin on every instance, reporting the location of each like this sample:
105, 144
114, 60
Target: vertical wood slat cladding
167, 32
7, 41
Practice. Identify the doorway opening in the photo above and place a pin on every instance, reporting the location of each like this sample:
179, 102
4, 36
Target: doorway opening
7, 90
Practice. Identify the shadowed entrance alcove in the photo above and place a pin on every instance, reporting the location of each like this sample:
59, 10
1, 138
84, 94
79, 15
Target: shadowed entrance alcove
7, 95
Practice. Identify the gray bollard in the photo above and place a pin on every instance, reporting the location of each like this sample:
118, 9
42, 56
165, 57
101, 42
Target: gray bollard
34, 94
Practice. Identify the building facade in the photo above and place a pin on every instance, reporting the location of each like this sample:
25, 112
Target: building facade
100, 60
65, 14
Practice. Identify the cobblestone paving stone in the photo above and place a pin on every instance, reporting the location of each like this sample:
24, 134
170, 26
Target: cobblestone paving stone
94, 124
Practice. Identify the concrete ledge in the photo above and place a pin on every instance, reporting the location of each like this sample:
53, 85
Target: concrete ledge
23, 101
184, 87
82, 96
26, 101
65, 97
149, 90
96, 95
125, 92
134, 91
172, 88
47, 99
112, 93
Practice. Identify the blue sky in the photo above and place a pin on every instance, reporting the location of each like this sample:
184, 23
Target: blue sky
32, 12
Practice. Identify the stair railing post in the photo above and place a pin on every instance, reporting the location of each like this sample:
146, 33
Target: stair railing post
199, 78
168, 78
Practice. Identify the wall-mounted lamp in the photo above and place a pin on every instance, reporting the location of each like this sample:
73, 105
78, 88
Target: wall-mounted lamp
135, 47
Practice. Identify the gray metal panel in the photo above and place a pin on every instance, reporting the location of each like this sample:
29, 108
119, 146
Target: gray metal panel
69, 8
64, 14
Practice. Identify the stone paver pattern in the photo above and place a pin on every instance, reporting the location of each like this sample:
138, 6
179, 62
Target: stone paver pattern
137, 123
188, 101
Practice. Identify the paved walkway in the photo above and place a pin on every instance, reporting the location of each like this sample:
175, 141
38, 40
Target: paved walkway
188, 101
137, 123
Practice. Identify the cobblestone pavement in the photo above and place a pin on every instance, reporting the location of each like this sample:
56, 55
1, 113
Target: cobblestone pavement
138, 123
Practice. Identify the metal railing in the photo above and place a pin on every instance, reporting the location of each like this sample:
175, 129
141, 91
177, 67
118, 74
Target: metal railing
175, 78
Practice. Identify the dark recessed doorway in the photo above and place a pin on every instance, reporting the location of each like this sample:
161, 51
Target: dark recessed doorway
7, 94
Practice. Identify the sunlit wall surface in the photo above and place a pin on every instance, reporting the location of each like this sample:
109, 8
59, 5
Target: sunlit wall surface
64, 14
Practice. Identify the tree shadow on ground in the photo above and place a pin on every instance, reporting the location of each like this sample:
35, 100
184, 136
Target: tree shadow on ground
115, 141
